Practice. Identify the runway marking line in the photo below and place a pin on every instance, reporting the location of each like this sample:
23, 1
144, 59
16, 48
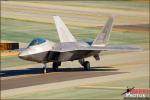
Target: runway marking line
94, 85
101, 87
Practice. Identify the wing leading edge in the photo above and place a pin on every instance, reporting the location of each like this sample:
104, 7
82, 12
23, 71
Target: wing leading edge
115, 48
106, 48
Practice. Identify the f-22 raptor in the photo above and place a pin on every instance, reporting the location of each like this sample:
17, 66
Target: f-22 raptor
69, 49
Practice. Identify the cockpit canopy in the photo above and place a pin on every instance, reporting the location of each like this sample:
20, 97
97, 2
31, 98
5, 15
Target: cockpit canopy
37, 41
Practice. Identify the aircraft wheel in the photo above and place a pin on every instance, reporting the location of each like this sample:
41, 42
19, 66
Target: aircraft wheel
55, 66
86, 65
44, 71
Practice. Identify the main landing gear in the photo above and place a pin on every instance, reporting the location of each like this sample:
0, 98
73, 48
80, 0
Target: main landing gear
56, 65
85, 64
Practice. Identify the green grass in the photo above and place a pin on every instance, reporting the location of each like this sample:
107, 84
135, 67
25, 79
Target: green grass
111, 4
11, 61
25, 31
140, 82
81, 13
86, 93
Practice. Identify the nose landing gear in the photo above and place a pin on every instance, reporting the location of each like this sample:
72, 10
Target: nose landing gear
44, 68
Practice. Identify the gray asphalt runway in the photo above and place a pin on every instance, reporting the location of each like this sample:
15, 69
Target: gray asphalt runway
26, 80
52, 77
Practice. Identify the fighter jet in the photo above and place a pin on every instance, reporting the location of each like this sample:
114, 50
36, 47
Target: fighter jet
69, 49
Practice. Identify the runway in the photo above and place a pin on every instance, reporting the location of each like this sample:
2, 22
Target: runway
24, 80
64, 74
30, 76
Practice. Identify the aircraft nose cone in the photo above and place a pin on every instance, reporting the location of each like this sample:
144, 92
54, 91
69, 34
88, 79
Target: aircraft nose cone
23, 55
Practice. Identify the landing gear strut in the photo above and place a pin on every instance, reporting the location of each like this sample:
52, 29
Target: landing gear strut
85, 64
55, 65
44, 68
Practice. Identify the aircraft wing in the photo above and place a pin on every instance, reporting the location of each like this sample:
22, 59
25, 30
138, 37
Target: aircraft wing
63, 32
106, 48
114, 48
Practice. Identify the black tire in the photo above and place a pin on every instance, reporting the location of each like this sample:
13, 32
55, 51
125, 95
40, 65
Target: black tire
86, 65
55, 66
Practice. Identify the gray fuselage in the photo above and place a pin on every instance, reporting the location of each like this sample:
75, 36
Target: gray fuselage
56, 52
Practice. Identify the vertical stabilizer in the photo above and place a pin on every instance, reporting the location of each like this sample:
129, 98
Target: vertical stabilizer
104, 35
63, 32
